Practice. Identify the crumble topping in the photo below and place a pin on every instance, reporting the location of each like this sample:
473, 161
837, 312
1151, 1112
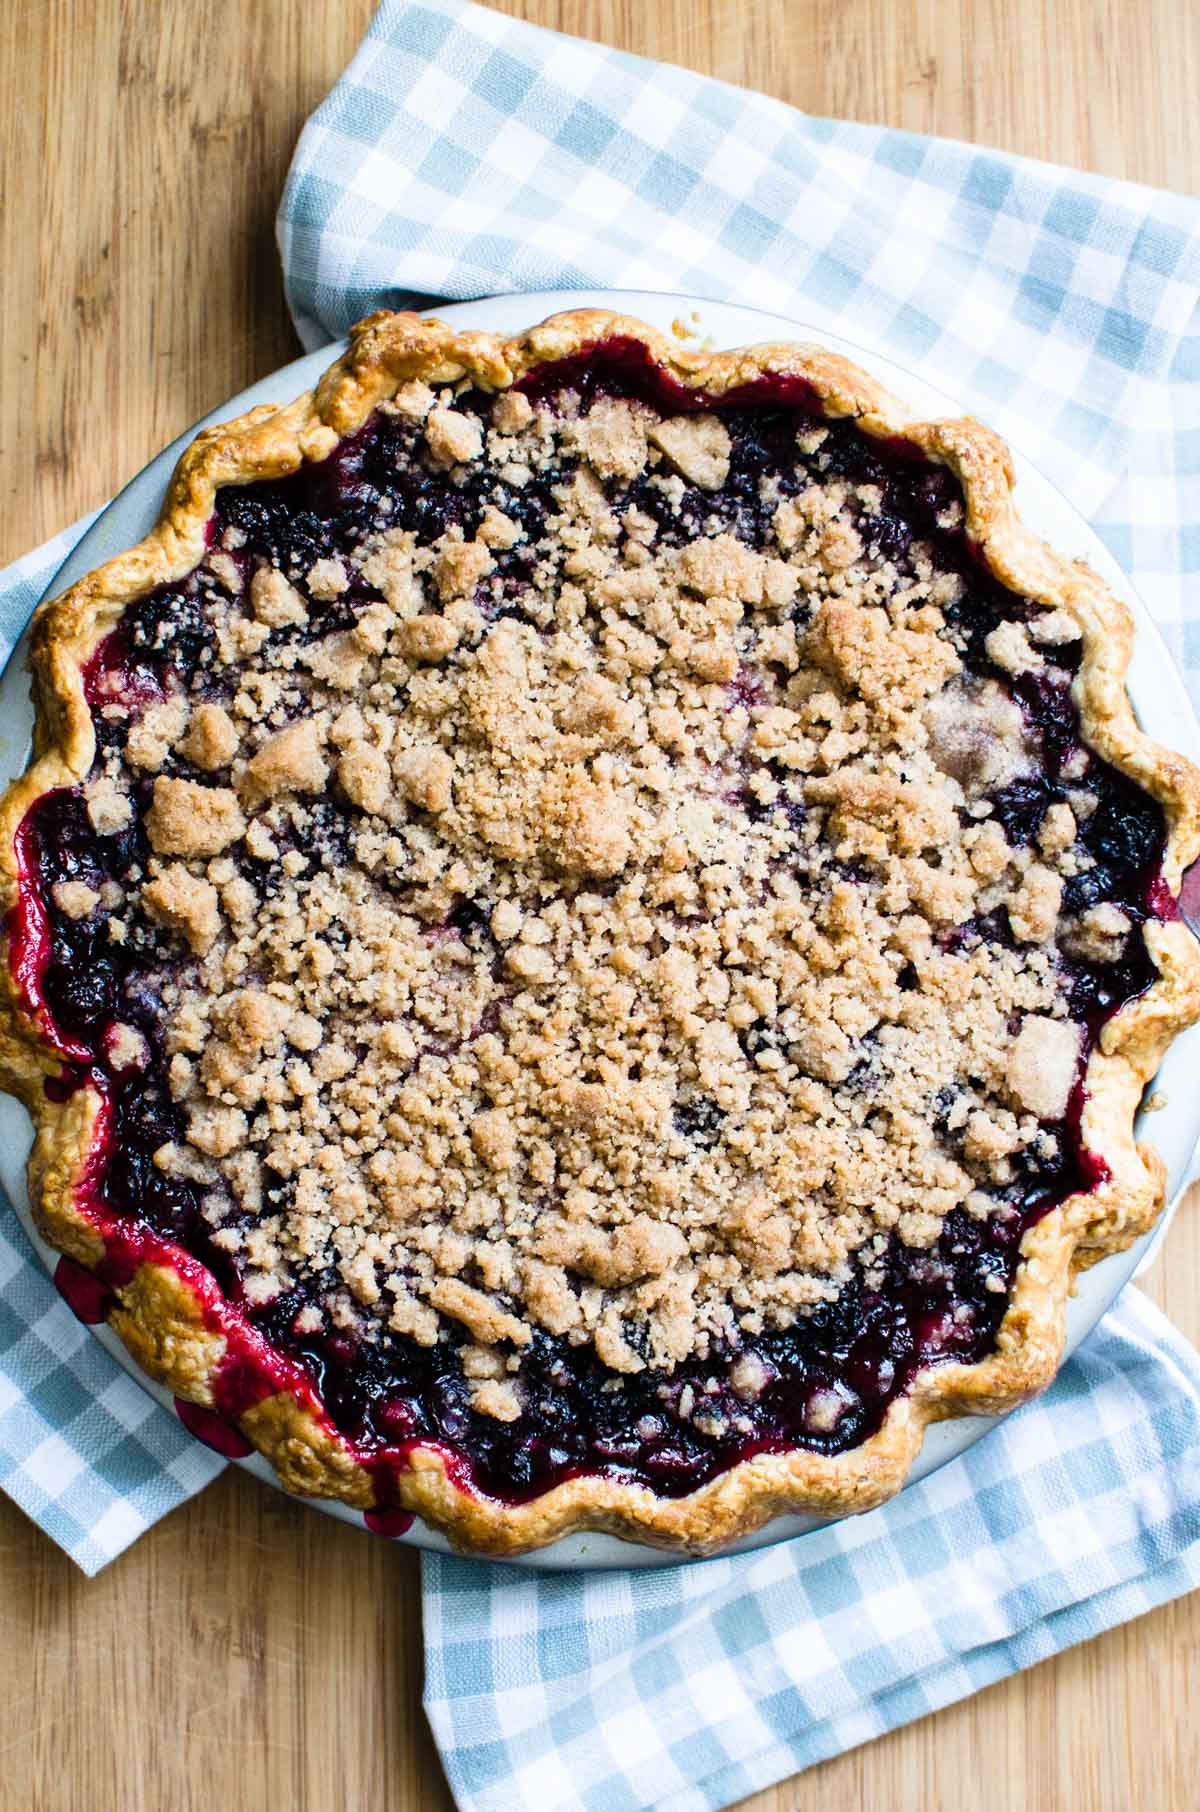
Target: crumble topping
75, 898
600, 923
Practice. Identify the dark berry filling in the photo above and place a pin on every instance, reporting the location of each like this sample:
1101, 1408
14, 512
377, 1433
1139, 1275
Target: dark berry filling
826, 1382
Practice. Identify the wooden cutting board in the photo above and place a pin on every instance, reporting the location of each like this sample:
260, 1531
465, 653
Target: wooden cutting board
248, 1655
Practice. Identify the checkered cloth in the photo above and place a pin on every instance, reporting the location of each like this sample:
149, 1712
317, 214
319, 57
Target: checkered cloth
464, 154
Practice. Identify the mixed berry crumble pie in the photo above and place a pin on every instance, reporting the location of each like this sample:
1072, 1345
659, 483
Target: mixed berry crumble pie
586, 932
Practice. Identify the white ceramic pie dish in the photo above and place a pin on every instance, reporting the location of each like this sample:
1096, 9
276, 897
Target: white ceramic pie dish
1157, 691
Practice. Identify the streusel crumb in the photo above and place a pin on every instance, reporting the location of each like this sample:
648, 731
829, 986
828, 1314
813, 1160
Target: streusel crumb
594, 932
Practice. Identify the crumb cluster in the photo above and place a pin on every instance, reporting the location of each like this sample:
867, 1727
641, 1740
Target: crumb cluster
582, 927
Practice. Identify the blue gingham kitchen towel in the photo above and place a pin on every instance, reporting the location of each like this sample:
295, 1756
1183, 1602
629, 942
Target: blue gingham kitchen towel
464, 154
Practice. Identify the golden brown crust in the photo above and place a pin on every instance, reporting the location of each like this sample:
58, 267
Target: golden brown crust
161, 1318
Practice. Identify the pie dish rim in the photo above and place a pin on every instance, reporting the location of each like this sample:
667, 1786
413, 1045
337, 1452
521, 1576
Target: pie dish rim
157, 1310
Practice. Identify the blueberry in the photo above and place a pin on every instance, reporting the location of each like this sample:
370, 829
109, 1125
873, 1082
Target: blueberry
845, 453
700, 1120
940, 1106
1020, 807
761, 1036
469, 918
81, 999
1126, 830
1046, 699
1089, 888
888, 535
934, 490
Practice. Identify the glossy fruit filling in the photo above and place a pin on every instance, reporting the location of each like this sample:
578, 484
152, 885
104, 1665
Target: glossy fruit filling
824, 1383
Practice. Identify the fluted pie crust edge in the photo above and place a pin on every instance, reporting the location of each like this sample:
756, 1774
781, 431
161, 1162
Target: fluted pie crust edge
160, 1317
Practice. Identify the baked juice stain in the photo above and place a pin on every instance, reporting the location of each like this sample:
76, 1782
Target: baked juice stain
213, 1430
389, 1398
83, 1292
389, 1523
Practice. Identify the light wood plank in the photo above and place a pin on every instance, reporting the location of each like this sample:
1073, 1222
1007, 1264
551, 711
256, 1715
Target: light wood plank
248, 1654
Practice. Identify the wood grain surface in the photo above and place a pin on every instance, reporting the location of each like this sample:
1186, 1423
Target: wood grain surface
247, 1654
